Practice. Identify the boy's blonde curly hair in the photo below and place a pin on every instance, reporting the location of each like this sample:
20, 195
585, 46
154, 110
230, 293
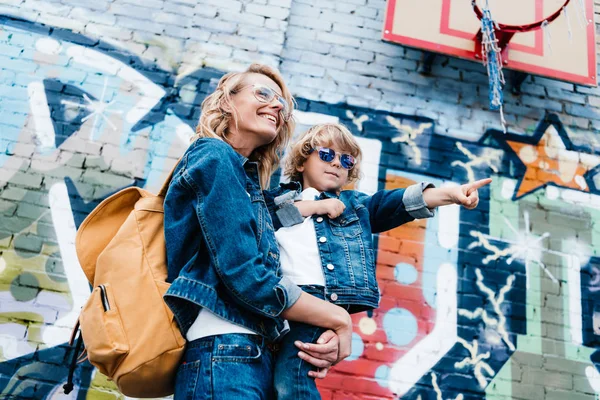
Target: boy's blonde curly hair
323, 135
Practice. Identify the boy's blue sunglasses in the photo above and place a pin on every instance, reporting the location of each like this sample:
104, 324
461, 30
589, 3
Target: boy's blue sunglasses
328, 155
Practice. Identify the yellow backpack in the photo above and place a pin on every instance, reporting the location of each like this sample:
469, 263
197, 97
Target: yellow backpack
129, 332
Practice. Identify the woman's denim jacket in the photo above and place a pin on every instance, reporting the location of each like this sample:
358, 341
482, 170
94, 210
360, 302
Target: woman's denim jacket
345, 243
221, 247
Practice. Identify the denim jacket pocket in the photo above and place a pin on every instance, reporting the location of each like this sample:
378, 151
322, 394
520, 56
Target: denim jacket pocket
346, 225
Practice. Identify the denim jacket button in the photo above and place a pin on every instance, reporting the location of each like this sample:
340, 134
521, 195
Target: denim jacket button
330, 267
322, 239
333, 297
320, 219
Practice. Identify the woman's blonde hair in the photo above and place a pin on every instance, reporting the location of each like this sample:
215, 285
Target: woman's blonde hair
217, 116
323, 135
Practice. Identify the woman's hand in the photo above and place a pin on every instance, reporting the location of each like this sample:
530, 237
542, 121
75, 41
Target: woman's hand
323, 354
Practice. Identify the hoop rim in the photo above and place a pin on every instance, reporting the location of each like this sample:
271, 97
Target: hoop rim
520, 28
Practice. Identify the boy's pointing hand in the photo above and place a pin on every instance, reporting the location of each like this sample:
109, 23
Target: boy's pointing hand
467, 195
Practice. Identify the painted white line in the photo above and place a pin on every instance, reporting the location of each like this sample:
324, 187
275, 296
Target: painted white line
64, 225
428, 352
44, 129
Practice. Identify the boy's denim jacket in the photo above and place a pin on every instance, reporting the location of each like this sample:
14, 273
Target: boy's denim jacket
346, 243
220, 243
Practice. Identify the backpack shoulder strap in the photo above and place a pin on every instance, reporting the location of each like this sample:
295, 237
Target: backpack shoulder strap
165, 186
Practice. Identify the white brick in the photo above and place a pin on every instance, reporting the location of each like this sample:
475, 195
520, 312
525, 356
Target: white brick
44, 7
353, 54
309, 22
388, 49
61, 22
99, 5
314, 83
270, 11
355, 31
181, 9
156, 4
139, 24
345, 18
339, 39
281, 3
348, 78
231, 5
371, 69
250, 57
83, 14
368, 12
305, 10
207, 11
250, 19
312, 45
301, 33
304, 69
197, 35
168, 18
214, 25
323, 60
210, 48
99, 30
131, 11
268, 35
276, 24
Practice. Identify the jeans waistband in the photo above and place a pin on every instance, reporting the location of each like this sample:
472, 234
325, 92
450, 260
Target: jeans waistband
209, 341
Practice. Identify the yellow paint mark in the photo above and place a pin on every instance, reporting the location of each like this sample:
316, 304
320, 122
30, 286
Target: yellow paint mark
367, 325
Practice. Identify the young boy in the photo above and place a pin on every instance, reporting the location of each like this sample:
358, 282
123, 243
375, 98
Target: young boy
330, 252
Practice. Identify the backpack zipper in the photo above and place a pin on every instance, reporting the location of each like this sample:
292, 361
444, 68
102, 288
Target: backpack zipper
105, 303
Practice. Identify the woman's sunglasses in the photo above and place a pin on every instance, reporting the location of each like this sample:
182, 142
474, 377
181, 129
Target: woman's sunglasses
328, 155
265, 94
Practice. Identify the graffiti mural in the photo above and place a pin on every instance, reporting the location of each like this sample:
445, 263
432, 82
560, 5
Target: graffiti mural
496, 303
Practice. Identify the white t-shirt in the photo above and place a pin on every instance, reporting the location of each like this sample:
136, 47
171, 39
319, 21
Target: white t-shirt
300, 260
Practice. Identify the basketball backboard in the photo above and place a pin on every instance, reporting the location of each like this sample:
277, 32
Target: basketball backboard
564, 50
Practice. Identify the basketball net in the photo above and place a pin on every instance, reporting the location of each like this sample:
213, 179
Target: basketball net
491, 49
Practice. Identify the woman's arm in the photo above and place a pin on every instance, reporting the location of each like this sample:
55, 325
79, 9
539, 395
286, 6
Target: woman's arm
313, 311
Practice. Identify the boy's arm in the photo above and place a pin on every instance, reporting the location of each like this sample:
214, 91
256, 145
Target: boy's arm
389, 209
465, 195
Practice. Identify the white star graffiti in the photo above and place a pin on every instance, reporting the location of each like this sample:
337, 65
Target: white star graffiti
525, 247
99, 109
496, 301
476, 360
358, 121
408, 135
487, 158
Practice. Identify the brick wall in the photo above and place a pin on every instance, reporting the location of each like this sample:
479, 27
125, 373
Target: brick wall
497, 303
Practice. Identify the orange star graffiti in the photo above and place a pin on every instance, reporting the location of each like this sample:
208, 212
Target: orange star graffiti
549, 161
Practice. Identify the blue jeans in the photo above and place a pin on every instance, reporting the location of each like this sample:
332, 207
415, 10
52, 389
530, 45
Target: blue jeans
291, 372
227, 367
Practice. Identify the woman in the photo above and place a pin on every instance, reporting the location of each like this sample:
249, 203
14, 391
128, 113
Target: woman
226, 293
